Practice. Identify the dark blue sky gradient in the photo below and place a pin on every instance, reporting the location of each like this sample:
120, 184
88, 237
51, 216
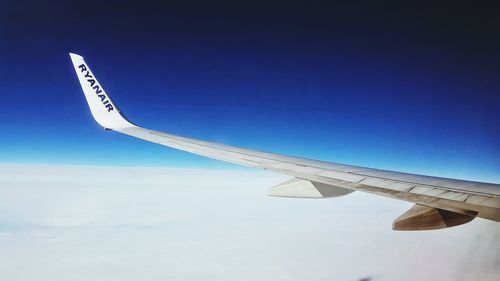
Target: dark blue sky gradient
403, 87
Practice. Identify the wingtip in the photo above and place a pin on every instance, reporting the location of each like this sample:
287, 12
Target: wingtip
103, 109
73, 55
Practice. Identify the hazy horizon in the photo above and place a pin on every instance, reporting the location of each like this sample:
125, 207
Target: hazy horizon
130, 223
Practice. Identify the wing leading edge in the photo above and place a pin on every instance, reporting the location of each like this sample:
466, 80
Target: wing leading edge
440, 202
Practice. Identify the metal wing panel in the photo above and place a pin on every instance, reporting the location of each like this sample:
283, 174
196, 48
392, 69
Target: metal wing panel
460, 185
454, 195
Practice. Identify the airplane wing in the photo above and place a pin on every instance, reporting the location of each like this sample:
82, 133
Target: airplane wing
439, 202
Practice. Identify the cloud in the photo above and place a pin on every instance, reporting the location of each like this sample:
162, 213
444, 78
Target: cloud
105, 223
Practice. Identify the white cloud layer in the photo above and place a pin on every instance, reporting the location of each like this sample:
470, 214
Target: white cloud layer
102, 223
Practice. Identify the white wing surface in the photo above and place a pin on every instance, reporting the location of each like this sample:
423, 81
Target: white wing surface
439, 202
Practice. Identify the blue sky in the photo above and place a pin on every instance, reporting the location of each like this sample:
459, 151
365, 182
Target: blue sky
406, 88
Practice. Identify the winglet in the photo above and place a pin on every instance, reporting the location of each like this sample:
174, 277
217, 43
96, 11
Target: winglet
103, 109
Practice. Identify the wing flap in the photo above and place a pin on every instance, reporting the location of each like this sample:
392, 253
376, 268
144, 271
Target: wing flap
440, 193
387, 184
343, 176
493, 202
